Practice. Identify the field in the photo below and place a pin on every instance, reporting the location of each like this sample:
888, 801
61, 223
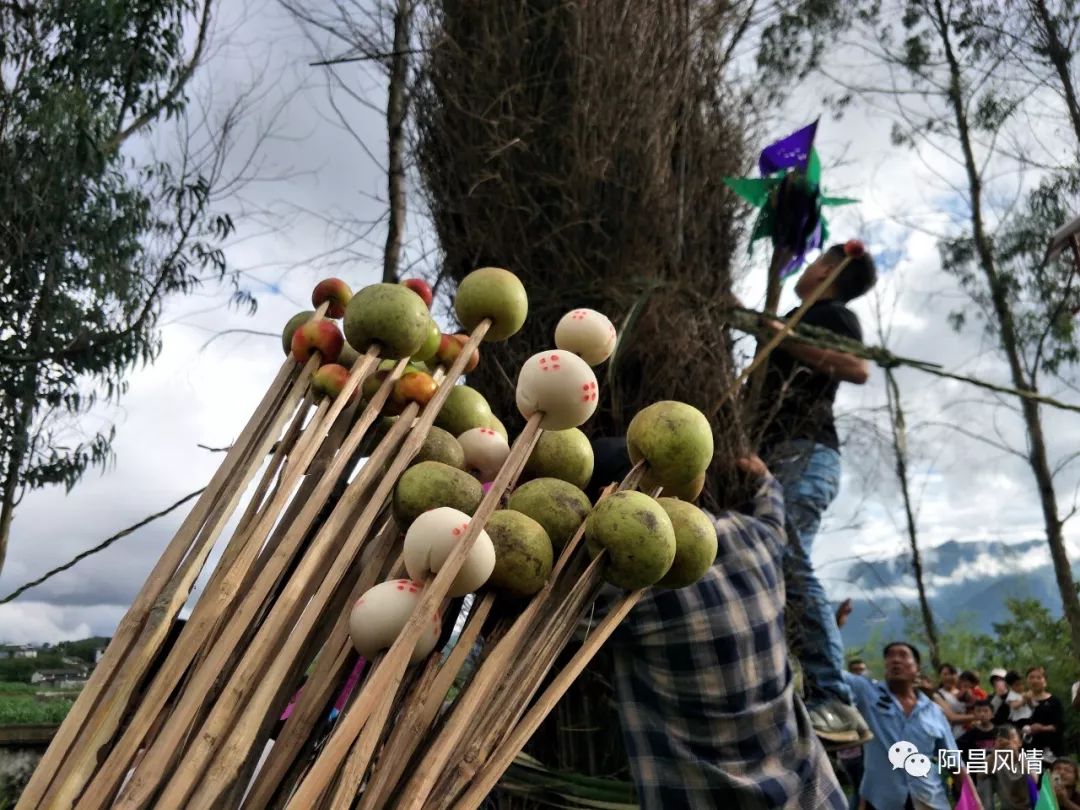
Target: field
24, 704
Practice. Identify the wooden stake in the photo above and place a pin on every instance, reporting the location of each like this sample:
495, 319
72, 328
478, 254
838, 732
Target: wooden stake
277, 639
504, 756
129, 627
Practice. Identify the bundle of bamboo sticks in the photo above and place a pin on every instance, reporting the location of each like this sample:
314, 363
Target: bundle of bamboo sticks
198, 725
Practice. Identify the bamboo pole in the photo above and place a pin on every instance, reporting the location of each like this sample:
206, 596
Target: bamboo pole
132, 622
489, 776
219, 595
277, 638
82, 761
155, 765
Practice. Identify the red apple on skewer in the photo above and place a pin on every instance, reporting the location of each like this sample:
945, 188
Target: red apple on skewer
421, 288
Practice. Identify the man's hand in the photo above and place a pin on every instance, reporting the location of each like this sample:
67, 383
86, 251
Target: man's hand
843, 612
753, 465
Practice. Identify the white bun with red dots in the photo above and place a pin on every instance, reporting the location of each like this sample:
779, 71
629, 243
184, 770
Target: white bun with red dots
431, 538
379, 616
559, 384
485, 451
588, 334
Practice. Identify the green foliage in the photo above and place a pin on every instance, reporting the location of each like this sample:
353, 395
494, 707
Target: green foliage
20, 670
92, 239
20, 711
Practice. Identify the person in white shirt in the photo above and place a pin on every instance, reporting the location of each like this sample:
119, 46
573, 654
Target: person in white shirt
1020, 708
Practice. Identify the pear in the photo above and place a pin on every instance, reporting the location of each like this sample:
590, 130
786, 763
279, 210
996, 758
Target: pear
695, 543
523, 553
388, 314
637, 535
492, 293
684, 492
465, 408
558, 506
443, 447
563, 454
431, 484
675, 440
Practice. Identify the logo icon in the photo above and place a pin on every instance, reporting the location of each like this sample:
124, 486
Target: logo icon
905, 755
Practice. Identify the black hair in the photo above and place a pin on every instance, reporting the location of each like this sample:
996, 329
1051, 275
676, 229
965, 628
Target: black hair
855, 661
914, 652
971, 677
984, 702
857, 278
1037, 667
1012, 676
948, 667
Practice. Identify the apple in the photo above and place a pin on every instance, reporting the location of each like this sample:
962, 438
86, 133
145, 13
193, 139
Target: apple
695, 543
561, 386
379, 616
321, 336
291, 326
415, 386
430, 540
588, 334
329, 381
430, 484
637, 536
494, 294
389, 315
464, 409
450, 347
563, 454
440, 445
334, 291
674, 439
523, 553
854, 248
421, 288
430, 348
559, 507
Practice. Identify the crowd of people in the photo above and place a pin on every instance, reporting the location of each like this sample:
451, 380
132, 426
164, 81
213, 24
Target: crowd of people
1005, 739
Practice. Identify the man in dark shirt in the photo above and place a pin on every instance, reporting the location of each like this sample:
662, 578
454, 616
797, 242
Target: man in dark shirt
800, 444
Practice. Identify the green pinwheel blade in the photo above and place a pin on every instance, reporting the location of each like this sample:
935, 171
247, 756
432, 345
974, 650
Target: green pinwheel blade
813, 168
838, 200
752, 189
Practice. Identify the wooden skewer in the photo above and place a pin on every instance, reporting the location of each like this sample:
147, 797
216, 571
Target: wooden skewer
420, 713
155, 765
504, 756
327, 675
267, 652
130, 626
215, 602
83, 761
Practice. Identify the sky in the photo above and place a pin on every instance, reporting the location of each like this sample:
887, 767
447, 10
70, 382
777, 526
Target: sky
312, 175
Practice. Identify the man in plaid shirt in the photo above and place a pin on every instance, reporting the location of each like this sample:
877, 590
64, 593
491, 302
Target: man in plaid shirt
706, 697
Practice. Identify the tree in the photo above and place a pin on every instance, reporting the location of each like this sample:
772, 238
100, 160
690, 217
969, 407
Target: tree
949, 83
94, 233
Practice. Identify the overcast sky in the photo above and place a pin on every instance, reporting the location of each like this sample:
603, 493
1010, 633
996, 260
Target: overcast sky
313, 172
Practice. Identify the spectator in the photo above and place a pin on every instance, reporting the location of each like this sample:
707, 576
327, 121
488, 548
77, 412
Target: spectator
947, 697
897, 711
925, 685
980, 737
1020, 711
851, 758
998, 700
1064, 776
969, 684
1009, 777
1046, 726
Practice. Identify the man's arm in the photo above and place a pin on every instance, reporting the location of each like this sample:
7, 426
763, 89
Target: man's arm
838, 365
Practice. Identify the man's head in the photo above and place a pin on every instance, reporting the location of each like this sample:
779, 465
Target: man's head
854, 280
968, 679
856, 666
1065, 772
983, 712
901, 664
1007, 737
1036, 679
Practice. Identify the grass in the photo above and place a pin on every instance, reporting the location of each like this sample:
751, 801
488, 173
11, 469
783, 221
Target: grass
25, 710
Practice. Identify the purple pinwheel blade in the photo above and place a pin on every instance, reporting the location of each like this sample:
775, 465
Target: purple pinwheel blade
791, 152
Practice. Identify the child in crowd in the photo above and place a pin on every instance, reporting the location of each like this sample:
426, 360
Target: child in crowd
1064, 776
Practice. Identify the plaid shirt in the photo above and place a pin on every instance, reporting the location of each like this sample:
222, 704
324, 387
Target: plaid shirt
708, 708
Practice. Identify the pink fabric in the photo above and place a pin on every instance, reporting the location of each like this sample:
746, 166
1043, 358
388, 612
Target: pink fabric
969, 800
343, 696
